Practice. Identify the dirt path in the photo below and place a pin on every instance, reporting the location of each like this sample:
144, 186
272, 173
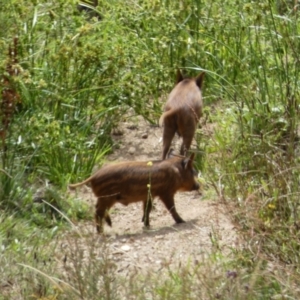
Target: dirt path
132, 247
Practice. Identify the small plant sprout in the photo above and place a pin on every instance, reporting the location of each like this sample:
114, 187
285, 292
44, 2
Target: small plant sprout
149, 197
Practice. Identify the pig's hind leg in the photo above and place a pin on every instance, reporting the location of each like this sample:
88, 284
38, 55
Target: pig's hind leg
168, 135
187, 138
102, 207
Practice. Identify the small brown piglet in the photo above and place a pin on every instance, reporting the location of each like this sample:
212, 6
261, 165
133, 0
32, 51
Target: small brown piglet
133, 181
182, 112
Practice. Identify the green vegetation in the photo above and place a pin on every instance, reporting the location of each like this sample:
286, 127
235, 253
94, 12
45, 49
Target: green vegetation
68, 80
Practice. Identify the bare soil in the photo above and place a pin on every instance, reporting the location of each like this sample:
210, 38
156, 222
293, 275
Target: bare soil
165, 244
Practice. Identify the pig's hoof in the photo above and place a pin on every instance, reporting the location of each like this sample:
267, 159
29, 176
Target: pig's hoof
146, 227
180, 221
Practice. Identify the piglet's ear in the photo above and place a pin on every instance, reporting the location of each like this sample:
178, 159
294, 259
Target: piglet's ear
188, 162
179, 76
199, 80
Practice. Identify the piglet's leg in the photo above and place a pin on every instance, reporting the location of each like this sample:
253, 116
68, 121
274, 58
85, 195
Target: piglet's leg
102, 207
168, 135
98, 219
187, 138
170, 205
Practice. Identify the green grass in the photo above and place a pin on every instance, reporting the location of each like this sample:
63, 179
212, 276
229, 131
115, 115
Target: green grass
79, 267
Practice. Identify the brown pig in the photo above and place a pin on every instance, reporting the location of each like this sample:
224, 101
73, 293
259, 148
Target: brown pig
182, 112
133, 181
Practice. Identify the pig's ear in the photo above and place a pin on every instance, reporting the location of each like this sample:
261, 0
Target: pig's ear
170, 153
179, 76
188, 162
199, 80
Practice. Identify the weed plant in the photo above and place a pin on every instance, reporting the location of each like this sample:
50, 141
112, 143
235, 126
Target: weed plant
83, 268
257, 138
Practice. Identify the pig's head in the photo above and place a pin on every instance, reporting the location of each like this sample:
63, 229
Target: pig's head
187, 175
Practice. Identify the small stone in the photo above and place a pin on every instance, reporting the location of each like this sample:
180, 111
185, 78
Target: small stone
125, 248
131, 150
117, 131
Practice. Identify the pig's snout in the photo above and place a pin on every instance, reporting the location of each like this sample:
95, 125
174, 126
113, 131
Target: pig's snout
196, 186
